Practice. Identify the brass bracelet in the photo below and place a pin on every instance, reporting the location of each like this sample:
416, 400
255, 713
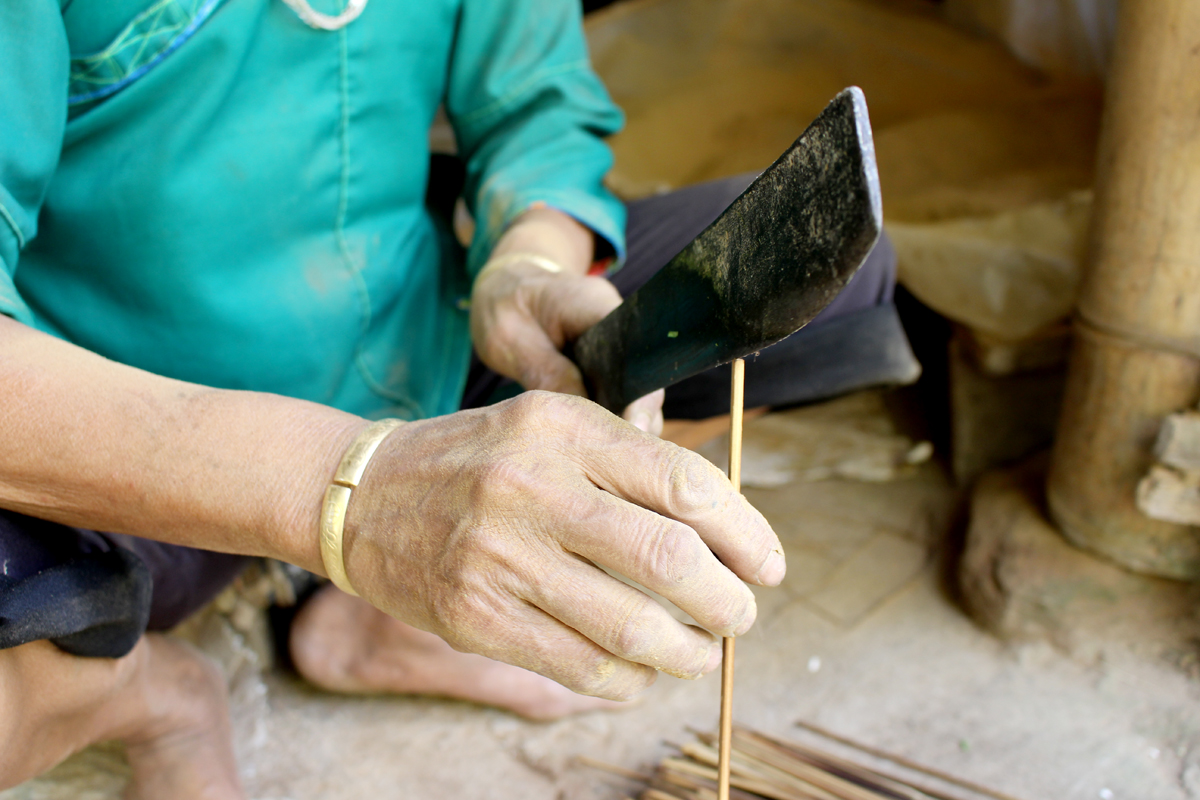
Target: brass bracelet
337, 498
536, 259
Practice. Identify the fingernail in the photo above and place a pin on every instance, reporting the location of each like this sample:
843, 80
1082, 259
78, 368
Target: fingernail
643, 421
714, 658
747, 621
773, 569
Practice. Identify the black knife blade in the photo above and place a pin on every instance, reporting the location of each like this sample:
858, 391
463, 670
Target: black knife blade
778, 255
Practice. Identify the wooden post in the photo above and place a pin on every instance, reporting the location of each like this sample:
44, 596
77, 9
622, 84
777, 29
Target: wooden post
1136, 355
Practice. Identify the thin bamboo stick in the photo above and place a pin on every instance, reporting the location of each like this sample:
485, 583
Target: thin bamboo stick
828, 782
737, 395
906, 763
896, 787
760, 786
690, 786
656, 794
702, 788
687, 786
782, 785
764, 768
588, 761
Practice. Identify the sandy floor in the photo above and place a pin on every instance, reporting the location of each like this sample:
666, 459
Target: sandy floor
861, 639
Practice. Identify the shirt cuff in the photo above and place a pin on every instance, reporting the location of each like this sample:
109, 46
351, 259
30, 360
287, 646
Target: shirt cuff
603, 216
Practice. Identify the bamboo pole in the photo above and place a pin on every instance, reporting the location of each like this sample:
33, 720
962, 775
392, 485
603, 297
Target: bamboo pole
1136, 357
736, 401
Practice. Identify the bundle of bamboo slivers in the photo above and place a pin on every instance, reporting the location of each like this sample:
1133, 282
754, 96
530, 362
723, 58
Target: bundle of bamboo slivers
763, 767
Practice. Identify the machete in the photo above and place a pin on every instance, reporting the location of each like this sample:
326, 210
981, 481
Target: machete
777, 256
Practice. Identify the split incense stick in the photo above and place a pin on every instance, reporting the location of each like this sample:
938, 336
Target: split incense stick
904, 762
763, 767
737, 396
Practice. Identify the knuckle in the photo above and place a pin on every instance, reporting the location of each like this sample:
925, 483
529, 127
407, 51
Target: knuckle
668, 554
528, 408
534, 411
634, 680
594, 675
601, 675
687, 664
691, 484
634, 635
734, 616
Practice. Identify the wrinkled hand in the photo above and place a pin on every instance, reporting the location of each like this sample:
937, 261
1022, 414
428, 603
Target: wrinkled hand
522, 316
489, 528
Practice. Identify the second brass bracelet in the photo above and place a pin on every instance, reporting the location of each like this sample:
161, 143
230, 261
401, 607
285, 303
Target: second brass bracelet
536, 259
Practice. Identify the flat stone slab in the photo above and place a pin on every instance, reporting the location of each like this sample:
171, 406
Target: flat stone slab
881, 568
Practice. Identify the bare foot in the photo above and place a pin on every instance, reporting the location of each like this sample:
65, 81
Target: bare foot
343, 644
182, 746
164, 700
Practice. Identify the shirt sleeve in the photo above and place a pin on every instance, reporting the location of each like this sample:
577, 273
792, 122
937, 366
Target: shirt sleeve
530, 116
34, 69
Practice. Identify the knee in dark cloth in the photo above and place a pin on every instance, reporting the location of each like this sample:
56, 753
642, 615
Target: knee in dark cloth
96, 605
95, 594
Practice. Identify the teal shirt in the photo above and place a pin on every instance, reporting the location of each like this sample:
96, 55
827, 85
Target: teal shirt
213, 191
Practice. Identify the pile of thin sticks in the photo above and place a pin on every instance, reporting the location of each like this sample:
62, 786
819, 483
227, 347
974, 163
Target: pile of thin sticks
763, 767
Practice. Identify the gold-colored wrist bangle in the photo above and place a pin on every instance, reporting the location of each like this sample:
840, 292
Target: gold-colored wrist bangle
536, 259
337, 498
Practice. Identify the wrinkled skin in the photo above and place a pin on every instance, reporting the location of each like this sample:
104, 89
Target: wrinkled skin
489, 528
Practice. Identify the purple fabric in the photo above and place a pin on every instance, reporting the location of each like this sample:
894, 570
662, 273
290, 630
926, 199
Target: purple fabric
52, 558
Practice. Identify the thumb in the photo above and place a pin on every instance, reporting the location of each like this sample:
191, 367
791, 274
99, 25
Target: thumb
646, 413
574, 307
536, 363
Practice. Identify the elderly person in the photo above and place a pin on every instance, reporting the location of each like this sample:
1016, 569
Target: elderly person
218, 266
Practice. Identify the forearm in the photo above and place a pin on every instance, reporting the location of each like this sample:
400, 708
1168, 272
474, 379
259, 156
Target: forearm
96, 444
